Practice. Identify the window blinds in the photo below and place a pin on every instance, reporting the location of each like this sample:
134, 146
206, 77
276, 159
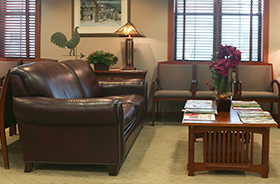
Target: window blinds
201, 26
18, 28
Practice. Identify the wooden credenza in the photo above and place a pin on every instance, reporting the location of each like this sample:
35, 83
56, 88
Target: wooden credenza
124, 74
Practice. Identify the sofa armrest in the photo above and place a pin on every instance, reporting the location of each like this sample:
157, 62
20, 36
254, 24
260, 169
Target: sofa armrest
68, 112
112, 87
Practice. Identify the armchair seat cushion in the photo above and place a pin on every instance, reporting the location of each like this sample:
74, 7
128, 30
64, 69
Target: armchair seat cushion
258, 95
173, 93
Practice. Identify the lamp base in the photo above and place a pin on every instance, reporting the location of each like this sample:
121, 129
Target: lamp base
129, 68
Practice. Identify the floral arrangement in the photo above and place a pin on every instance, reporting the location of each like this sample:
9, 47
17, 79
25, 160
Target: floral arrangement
102, 57
221, 63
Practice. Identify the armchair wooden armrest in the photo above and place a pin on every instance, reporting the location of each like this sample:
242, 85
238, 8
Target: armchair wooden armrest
194, 89
278, 86
155, 82
237, 89
2, 80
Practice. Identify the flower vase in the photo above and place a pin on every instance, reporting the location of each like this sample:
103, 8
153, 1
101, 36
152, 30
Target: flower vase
223, 104
100, 66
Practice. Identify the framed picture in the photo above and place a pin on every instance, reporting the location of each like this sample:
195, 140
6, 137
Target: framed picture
99, 17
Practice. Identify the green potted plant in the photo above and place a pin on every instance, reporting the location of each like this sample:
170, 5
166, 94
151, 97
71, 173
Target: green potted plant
102, 60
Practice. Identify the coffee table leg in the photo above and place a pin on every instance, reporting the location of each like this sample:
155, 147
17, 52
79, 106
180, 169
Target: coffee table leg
265, 153
191, 151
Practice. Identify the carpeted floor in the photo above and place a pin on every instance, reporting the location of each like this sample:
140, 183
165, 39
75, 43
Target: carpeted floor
158, 156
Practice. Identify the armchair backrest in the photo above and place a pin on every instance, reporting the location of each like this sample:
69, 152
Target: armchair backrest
255, 77
46, 79
203, 74
6, 65
175, 75
7, 117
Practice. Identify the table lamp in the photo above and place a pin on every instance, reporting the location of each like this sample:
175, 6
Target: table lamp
129, 30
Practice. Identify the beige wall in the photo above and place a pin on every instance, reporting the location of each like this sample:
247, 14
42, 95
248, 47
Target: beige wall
146, 15
274, 36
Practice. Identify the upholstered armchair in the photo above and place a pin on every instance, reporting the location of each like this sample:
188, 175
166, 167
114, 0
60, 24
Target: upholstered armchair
174, 82
7, 118
203, 74
255, 82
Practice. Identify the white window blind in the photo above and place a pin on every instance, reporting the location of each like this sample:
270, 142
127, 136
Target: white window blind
18, 28
201, 26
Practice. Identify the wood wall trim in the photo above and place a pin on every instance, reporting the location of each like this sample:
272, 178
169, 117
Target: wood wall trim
38, 30
266, 32
170, 30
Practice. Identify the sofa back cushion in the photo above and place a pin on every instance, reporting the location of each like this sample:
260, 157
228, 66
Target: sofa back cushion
86, 77
47, 79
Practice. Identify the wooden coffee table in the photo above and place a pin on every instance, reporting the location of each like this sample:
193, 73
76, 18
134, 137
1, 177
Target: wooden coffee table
228, 144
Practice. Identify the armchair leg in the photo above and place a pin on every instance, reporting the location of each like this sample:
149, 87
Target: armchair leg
278, 115
4, 149
157, 108
113, 170
153, 113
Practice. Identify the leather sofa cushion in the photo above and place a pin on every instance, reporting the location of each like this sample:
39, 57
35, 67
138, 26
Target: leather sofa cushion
129, 113
47, 79
86, 77
133, 105
135, 100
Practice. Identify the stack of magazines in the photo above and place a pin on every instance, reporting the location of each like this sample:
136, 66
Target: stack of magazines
251, 112
199, 110
256, 117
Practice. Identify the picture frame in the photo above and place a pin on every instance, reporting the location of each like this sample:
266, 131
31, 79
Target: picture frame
110, 17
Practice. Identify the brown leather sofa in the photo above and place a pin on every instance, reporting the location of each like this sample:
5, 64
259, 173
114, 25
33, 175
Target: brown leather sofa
66, 115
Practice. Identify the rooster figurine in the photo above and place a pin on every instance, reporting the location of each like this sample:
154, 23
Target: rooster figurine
60, 40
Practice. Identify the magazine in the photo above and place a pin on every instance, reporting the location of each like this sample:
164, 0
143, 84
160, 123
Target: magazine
192, 116
246, 105
258, 119
199, 104
244, 113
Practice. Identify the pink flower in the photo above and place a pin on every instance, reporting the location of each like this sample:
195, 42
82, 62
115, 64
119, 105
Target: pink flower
206, 82
230, 50
228, 65
220, 61
236, 57
222, 52
220, 70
